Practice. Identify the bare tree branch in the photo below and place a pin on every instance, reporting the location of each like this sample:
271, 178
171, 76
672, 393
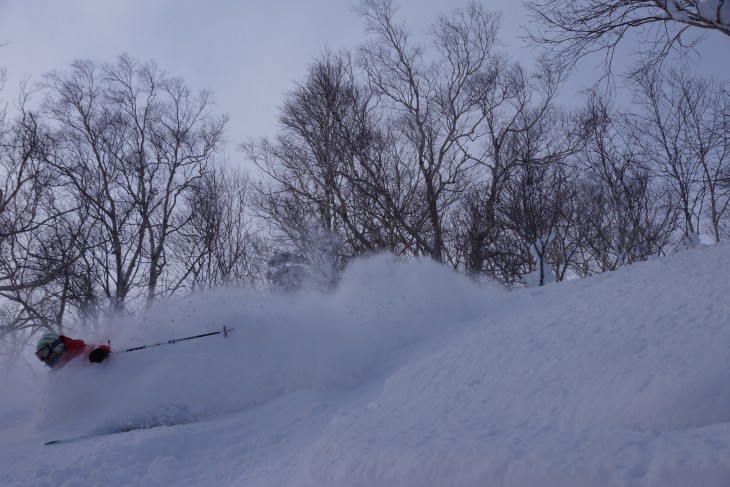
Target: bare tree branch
575, 28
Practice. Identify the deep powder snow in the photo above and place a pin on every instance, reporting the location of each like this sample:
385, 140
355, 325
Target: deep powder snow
408, 375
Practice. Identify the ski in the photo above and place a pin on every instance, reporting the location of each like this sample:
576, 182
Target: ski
71, 440
125, 429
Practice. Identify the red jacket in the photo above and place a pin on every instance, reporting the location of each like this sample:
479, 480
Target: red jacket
74, 348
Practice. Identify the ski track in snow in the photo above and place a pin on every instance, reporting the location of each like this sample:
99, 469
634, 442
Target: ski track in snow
408, 375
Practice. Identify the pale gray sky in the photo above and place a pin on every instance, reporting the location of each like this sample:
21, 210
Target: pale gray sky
248, 52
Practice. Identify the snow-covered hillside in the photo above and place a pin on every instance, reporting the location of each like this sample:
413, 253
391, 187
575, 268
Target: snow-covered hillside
409, 375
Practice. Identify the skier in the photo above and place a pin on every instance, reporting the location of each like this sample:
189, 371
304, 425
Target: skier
57, 350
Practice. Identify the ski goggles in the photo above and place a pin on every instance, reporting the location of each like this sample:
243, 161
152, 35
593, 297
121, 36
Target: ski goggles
44, 353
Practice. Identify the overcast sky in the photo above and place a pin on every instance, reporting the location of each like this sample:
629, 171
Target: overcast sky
248, 52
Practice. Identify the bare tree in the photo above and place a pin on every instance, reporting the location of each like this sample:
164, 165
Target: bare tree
574, 28
220, 245
679, 135
468, 232
724, 180
310, 164
536, 195
706, 133
608, 160
515, 104
37, 235
438, 115
131, 141
625, 214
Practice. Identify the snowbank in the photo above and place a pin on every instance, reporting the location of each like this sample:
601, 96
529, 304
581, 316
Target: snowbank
409, 375
619, 380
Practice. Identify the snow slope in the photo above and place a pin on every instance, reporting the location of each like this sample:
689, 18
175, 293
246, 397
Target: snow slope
409, 375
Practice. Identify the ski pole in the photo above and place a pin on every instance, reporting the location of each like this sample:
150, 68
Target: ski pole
225, 331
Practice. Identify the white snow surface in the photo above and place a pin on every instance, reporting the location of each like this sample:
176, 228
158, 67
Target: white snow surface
408, 375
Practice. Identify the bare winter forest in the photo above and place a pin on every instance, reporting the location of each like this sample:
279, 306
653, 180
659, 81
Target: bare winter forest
120, 186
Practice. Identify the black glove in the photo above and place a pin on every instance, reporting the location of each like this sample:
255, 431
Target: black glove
98, 355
